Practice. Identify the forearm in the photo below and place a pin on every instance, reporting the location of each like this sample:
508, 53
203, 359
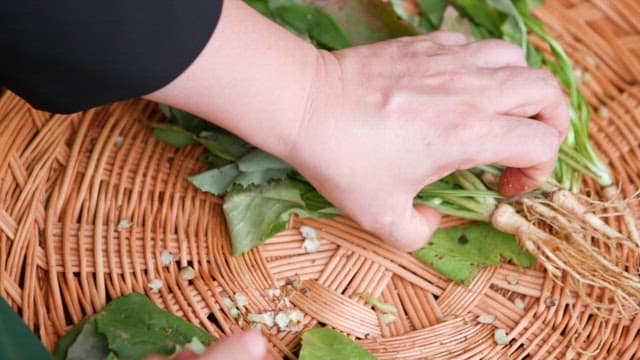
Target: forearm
252, 78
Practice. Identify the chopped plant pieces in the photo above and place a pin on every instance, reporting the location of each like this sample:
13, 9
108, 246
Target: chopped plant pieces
311, 242
550, 302
241, 300
486, 319
119, 141
512, 279
500, 336
166, 258
273, 293
235, 313
125, 224
228, 302
389, 318
289, 320
296, 315
282, 320
519, 303
311, 245
308, 232
187, 273
266, 318
155, 285
385, 308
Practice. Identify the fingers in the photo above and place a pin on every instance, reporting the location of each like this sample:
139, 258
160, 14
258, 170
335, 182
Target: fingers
447, 38
248, 345
528, 92
411, 231
527, 146
494, 54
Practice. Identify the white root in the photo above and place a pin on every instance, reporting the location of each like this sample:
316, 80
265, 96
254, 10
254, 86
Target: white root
612, 195
571, 250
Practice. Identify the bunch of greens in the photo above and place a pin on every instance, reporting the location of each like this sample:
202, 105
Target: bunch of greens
130, 327
261, 191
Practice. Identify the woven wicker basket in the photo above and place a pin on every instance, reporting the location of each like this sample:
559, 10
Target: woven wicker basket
66, 182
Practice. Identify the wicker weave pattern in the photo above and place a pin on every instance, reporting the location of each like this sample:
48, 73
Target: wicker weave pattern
66, 183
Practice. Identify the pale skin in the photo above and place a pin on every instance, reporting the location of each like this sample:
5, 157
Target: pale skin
370, 126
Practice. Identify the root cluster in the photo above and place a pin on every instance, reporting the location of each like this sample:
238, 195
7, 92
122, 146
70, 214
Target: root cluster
578, 249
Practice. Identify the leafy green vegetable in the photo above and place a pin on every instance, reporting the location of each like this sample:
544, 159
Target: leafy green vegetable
459, 253
255, 168
308, 20
433, 11
89, 344
135, 327
366, 21
256, 213
173, 135
129, 327
325, 343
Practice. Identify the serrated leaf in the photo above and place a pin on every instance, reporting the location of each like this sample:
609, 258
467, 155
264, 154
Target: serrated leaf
252, 213
325, 343
261, 177
135, 327
216, 181
258, 160
460, 253
173, 135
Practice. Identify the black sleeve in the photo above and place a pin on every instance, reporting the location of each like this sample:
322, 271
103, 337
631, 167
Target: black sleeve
69, 55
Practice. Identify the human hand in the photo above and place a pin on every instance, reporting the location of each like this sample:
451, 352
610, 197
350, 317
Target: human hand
370, 126
384, 120
248, 345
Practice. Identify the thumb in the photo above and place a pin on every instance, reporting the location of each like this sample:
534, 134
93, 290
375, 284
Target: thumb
413, 231
248, 345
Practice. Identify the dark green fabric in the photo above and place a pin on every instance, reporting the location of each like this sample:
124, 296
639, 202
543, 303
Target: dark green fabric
17, 342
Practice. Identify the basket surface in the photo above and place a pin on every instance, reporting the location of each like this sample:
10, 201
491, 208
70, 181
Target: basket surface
66, 183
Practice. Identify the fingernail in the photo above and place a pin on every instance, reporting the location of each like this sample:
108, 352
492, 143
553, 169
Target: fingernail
256, 344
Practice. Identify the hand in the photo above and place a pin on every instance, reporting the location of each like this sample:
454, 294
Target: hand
249, 345
370, 126
384, 120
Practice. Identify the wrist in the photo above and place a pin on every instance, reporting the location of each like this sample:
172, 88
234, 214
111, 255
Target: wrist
253, 78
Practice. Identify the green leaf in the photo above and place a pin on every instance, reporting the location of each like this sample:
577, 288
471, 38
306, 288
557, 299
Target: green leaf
261, 177
252, 213
173, 135
481, 14
366, 21
262, 6
216, 181
190, 122
135, 327
459, 253
325, 343
308, 20
258, 160
90, 344
433, 11
68, 339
